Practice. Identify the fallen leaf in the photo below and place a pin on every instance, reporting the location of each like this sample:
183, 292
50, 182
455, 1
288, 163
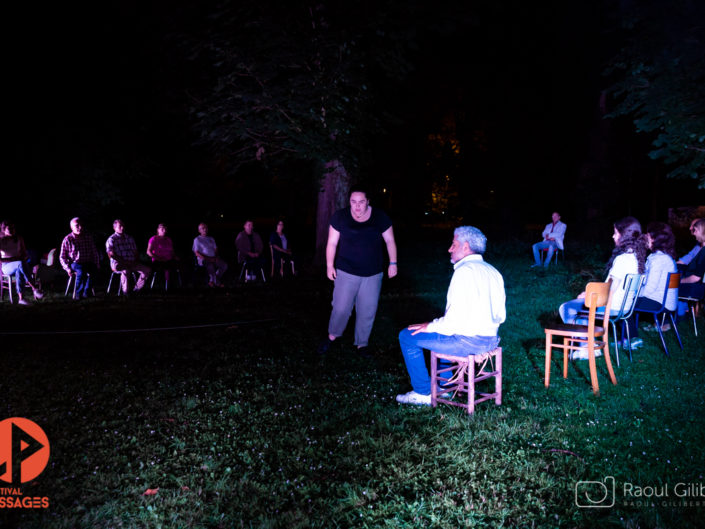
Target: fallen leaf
150, 492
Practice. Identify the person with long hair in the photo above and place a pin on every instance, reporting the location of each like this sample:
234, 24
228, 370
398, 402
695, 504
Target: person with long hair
628, 257
13, 253
660, 240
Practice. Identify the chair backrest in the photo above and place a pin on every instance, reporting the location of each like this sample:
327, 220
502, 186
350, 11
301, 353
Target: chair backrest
598, 295
673, 281
632, 286
51, 256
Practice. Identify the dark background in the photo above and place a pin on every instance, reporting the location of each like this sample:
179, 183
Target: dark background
97, 98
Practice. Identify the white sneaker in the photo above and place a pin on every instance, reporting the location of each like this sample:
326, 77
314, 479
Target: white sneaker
414, 398
23, 302
584, 354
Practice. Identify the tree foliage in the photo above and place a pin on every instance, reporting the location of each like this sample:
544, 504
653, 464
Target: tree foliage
660, 81
297, 81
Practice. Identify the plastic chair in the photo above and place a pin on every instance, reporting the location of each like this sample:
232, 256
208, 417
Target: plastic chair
574, 336
461, 376
672, 282
693, 306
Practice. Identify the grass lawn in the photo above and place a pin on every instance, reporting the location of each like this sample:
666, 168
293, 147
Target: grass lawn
244, 426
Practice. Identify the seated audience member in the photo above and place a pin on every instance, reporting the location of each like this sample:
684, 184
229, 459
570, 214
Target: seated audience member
553, 235
206, 252
249, 250
628, 257
661, 241
475, 309
281, 250
161, 249
79, 257
684, 261
124, 258
692, 285
13, 253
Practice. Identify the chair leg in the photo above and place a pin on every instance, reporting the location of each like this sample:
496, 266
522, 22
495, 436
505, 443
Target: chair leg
471, 385
434, 375
614, 334
593, 368
608, 361
566, 355
625, 326
498, 378
675, 328
660, 334
547, 373
695, 325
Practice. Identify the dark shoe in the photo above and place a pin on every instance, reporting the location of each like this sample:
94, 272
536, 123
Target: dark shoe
364, 352
324, 346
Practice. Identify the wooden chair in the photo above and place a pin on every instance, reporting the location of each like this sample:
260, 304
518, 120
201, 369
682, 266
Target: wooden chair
462, 375
575, 336
672, 283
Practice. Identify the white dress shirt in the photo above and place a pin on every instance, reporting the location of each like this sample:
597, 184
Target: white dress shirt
475, 302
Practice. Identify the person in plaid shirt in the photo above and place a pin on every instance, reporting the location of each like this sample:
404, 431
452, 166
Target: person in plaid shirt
79, 257
122, 251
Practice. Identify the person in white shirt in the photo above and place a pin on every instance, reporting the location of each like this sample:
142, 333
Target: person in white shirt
475, 308
206, 252
628, 257
553, 235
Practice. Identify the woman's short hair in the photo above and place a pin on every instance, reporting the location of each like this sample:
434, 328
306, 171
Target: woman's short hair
475, 238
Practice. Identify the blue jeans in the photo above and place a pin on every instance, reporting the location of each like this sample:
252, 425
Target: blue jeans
10, 268
83, 279
550, 246
412, 347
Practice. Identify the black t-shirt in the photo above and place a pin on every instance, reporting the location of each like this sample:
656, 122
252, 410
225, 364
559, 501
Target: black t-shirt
697, 266
361, 247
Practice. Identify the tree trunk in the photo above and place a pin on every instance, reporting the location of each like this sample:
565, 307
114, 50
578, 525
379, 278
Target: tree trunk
332, 195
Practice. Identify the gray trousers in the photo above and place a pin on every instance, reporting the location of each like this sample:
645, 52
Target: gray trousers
359, 292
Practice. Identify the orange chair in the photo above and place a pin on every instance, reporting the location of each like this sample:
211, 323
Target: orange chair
462, 375
576, 336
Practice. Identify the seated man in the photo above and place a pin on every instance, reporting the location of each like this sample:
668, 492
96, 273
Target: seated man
475, 308
249, 250
553, 235
79, 257
206, 252
281, 251
692, 285
684, 261
124, 258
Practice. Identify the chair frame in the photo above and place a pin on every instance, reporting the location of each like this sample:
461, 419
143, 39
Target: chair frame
673, 280
625, 310
692, 305
281, 267
597, 295
554, 257
462, 378
242, 271
72, 279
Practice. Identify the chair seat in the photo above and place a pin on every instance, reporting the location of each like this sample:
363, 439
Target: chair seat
562, 329
462, 375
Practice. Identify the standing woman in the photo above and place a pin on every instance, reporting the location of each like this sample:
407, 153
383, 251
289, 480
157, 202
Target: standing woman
13, 253
628, 257
161, 249
355, 262
661, 241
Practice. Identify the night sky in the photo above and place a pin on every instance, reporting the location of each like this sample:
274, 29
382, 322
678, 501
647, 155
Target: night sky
97, 99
